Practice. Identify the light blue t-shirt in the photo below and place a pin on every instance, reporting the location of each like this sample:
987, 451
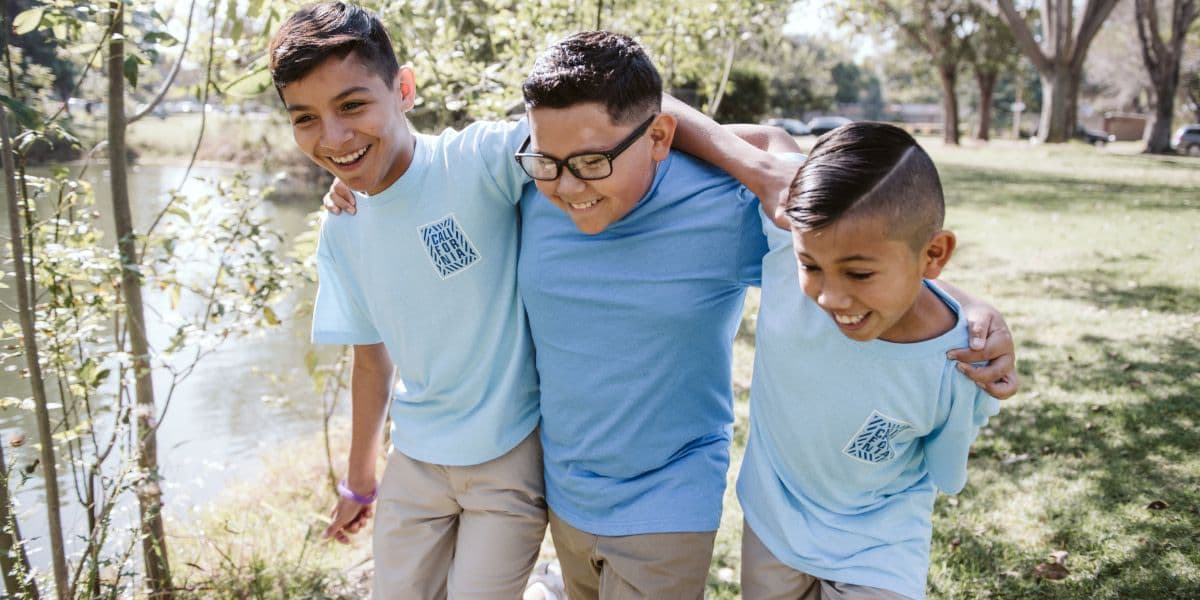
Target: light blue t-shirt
634, 329
848, 440
428, 267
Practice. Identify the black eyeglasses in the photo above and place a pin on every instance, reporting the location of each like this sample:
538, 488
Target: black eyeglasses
586, 166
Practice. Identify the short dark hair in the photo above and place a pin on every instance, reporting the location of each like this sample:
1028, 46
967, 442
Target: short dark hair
867, 168
596, 66
330, 29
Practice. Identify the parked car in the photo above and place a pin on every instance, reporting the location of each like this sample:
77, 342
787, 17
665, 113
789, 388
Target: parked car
1094, 137
792, 126
1187, 140
823, 125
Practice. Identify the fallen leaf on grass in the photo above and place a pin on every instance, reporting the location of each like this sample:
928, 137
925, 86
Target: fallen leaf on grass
1157, 505
1051, 570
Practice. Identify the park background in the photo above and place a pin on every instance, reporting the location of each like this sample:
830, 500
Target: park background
157, 273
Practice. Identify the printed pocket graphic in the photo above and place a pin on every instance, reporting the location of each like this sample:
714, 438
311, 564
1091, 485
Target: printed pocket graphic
449, 249
873, 442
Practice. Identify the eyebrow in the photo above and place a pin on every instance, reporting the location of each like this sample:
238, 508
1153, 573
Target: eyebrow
844, 259
347, 92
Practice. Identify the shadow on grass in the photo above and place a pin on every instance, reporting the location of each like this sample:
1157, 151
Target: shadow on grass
1106, 288
1133, 455
994, 187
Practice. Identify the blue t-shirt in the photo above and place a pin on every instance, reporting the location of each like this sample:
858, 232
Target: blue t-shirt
428, 267
634, 329
848, 440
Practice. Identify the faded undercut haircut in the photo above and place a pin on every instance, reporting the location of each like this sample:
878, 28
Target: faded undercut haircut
596, 66
330, 29
869, 169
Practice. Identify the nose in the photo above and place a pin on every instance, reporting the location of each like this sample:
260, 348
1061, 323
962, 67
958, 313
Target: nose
831, 296
568, 184
335, 133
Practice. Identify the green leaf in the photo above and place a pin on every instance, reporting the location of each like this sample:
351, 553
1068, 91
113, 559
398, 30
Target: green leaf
161, 38
254, 8
28, 20
180, 212
131, 70
251, 84
26, 116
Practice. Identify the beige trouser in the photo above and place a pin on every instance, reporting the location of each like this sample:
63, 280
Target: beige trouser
459, 532
765, 578
657, 566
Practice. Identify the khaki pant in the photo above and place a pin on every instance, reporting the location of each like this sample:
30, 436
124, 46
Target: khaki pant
655, 566
765, 578
459, 532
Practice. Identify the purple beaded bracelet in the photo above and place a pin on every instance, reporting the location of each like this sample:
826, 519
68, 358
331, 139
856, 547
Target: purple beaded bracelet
347, 493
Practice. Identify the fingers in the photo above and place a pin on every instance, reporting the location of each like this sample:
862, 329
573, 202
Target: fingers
349, 518
998, 378
339, 198
330, 205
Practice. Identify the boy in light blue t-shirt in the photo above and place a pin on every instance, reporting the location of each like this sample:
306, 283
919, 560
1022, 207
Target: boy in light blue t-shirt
857, 416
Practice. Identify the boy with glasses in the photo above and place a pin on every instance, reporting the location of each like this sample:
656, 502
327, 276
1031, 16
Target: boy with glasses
634, 265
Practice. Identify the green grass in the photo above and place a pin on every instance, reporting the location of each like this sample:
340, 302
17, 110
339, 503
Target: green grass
1092, 257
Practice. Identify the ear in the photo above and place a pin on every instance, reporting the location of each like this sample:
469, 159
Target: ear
936, 253
661, 134
405, 87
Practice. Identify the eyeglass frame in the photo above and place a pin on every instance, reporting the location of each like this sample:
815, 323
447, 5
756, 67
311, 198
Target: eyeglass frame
609, 155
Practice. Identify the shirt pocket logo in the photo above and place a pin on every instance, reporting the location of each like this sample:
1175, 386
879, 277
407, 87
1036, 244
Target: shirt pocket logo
873, 441
448, 247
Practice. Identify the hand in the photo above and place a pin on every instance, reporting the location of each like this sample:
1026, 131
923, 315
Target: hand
776, 184
339, 198
990, 342
348, 518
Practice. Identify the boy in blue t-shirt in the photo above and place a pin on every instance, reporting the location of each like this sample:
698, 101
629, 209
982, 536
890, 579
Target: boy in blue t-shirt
857, 416
422, 282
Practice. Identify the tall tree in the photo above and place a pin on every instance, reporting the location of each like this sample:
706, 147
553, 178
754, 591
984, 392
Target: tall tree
154, 546
937, 28
989, 50
1163, 58
1059, 57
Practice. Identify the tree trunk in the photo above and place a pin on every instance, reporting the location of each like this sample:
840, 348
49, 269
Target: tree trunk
149, 492
987, 88
1158, 135
1058, 105
949, 78
37, 384
13, 560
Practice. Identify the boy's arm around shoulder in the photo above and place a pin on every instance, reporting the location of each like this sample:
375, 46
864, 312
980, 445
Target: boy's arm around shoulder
966, 409
753, 163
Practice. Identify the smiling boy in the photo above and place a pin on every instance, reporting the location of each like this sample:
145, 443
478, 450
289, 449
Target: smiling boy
423, 281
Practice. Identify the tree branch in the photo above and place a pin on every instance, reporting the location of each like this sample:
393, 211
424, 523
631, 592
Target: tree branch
1024, 37
187, 36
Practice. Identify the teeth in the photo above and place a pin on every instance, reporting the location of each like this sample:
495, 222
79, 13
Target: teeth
849, 319
583, 205
349, 158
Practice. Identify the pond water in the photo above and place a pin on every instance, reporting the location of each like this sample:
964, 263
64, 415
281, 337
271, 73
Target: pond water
249, 396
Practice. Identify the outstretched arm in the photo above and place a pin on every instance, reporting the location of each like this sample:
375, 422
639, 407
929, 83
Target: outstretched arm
750, 162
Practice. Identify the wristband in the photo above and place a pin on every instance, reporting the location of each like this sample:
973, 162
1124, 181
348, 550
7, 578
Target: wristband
344, 491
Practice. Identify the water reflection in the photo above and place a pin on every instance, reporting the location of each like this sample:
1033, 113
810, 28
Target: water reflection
248, 396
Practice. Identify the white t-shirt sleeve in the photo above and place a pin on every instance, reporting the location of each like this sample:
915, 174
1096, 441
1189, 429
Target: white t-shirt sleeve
947, 446
338, 314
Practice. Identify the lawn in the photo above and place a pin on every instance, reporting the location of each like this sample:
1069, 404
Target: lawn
1092, 256
1087, 485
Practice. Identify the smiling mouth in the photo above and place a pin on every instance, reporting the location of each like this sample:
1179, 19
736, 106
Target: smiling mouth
583, 205
349, 159
849, 320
